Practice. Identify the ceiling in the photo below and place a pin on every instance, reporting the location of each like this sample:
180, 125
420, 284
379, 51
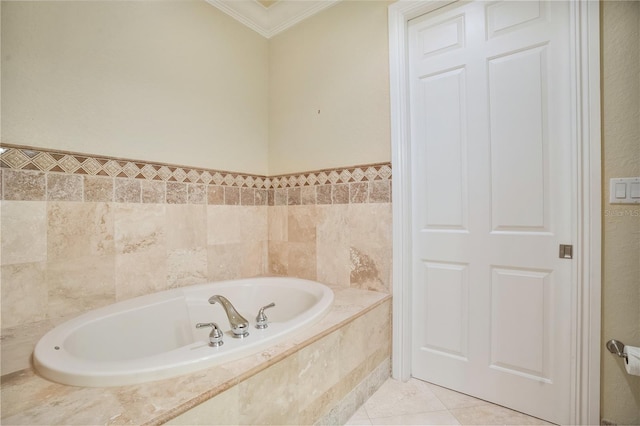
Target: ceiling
270, 17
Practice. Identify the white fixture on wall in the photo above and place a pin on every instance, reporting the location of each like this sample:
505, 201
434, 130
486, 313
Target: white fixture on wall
271, 20
624, 190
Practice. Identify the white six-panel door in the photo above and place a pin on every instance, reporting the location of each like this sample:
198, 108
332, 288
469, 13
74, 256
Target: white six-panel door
492, 200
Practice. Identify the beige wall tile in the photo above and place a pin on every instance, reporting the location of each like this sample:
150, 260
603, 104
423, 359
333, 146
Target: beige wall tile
223, 261
280, 196
302, 260
176, 193
223, 225
197, 193
144, 245
340, 194
215, 194
64, 187
302, 388
260, 405
380, 191
261, 197
236, 224
77, 230
98, 189
137, 274
365, 274
343, 244
332, 242
23, 226
353, 345
24, 293
222, 409
231, 196
153, 246
277, 223
24, 185
17, 346
356, 347
359, 192
319, 372
128, 191
278, 258
186, 226
324, 194
371, 245
79, 285
308, 195
153, 191
294, 197
186, 267
237, 260
139, 227
301, 224
248, 196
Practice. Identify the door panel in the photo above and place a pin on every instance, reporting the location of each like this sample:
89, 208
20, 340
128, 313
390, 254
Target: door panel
445, 175
446, 297
491, 201
518, 136
520, 336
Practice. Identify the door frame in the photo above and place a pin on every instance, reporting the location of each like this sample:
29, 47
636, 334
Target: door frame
586, 296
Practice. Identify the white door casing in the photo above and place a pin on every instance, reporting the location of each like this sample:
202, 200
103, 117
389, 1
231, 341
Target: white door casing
447, 221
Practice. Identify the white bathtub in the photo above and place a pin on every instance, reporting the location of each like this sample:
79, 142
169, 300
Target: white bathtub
154, 336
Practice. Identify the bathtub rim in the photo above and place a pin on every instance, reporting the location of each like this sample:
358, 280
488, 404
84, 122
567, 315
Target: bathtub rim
84, 373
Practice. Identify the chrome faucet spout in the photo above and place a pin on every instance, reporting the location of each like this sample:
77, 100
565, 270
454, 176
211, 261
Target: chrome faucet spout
239, 324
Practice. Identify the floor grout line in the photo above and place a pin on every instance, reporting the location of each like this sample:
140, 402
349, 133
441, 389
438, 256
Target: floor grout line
419, 387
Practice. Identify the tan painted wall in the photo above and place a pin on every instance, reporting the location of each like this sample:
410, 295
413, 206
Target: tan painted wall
620, 393
181, 82
173, 81
329, 90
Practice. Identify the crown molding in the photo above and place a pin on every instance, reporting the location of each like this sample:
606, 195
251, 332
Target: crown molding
269, 21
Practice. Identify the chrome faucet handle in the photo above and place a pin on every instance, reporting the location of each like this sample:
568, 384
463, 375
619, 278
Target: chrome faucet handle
215, 337
261, 319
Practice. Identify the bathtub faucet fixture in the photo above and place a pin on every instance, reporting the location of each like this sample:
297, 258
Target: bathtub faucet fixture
215, 337
261, 319
239, 324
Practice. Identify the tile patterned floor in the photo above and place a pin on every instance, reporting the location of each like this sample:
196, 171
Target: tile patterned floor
420, 403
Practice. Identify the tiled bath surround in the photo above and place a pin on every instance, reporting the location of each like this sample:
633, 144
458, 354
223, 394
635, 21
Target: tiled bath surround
323, 383
79, 232
320, 375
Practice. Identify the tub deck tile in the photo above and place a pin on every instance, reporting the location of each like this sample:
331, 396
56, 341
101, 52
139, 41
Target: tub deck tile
27, 398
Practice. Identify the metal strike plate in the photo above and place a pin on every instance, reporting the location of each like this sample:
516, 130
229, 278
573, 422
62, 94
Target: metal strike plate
566, 251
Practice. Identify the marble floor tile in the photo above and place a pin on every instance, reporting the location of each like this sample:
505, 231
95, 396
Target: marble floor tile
493, 415
443, 417
359, 418
420, 403
452, 399
396, 398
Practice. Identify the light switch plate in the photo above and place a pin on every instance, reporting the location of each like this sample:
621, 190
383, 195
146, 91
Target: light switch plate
624, 190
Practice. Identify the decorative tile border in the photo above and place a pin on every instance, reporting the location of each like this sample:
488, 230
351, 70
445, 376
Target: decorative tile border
35, 174
26, 158
367, 173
